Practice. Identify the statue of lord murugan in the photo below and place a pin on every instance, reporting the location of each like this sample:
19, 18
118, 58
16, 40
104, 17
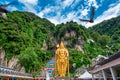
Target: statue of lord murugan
62, 60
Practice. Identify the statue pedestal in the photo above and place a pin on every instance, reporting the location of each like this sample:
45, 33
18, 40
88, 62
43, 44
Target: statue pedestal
62, 78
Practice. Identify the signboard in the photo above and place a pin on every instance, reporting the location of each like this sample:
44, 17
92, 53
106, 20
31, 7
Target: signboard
50, 67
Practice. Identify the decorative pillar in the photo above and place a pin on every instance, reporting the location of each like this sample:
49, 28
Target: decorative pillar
100, 74
112, 73
104, 75
93, 77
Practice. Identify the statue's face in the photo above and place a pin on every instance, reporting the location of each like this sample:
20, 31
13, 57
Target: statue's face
62, 51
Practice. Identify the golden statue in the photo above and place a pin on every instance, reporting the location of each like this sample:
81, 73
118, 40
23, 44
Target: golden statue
62, 60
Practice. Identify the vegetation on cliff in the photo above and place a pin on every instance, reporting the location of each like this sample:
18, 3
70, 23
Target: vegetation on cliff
109, 34
24, 33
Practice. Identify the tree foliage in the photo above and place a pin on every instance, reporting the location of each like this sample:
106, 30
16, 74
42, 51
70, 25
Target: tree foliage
22, 34
110, 33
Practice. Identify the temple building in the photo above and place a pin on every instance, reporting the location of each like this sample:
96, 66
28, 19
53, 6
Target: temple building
108, 69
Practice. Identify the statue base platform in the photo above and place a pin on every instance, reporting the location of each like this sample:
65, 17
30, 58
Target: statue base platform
62, 78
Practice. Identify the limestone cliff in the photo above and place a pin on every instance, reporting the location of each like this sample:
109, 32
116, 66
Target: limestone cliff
45, 47
78, 43
2, 55
12, 63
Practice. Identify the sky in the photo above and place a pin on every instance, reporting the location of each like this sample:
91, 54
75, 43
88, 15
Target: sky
62, 11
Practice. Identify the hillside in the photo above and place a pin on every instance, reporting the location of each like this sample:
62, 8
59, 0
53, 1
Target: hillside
78, 40
22, 35
109, 29
33, 41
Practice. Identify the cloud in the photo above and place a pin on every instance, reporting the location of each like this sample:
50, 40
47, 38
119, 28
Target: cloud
67, 3
93, 2
75, 3
113, 11
34, 2
101, 1
85, 9
72, 16
114, 4
45, 11
61, 15
11, 8
84, 12
56, 19
29, 8
29, 5
61, 6
49, 10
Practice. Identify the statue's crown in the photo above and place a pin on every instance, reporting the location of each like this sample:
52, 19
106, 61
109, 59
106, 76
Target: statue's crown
61, 45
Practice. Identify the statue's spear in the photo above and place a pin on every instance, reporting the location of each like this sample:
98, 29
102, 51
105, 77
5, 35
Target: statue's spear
68, 66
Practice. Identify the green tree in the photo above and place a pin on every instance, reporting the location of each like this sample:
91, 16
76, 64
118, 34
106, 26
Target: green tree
104, 40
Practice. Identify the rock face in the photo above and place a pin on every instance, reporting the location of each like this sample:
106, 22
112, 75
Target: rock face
65, 42
70, 34
22, 70
2, 55
12, 63
45, 47
18, 67
79, 44
80, 40
79, 48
